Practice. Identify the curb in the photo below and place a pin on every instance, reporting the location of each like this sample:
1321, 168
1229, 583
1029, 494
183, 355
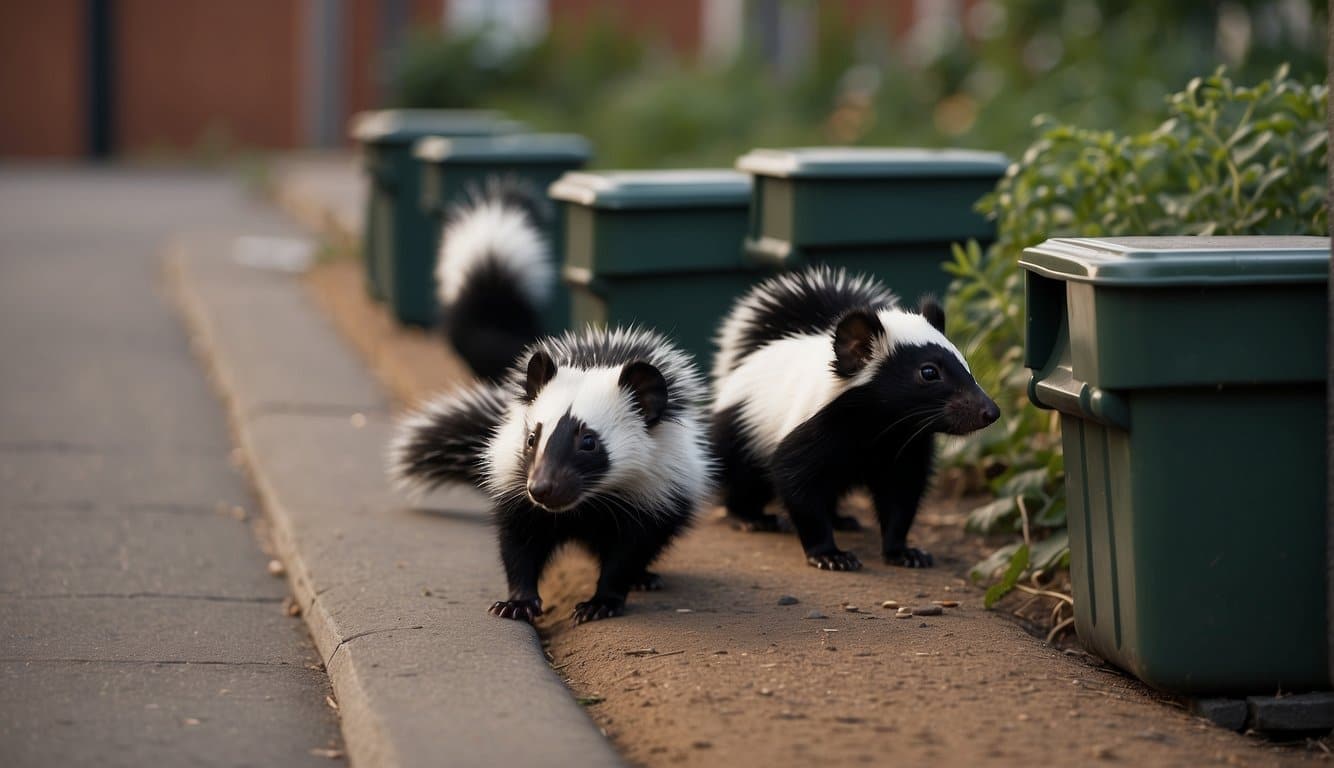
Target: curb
393, 596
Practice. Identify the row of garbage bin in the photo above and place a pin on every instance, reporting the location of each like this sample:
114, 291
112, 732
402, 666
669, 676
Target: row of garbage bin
1189, 372
669, 249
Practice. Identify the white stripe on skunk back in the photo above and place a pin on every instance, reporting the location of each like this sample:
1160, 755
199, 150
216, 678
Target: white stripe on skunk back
488, 231
774, 291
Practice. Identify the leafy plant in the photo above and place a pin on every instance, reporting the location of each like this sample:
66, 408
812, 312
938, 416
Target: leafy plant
1229, 159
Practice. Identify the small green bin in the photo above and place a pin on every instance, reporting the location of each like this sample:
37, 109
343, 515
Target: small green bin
889, 212
394, 220
452, 167
656, 248
1189, 373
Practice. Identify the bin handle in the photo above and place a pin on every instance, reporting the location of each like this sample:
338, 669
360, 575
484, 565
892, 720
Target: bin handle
584, 278
771, 252
1059, 389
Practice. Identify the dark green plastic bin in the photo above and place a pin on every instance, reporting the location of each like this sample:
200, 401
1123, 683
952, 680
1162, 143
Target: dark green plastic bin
656, 248
890, 212
394, 220
1189, 373
453, 167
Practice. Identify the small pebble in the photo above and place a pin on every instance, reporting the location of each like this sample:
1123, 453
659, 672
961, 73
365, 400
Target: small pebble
890, 604
276, 568
766, 692
946, 603
904, 613
701, 744
850, 608
788, 600
928, 610
684, 610
816, 615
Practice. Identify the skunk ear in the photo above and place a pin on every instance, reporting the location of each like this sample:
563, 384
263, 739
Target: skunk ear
540, 370
648, 388
928, 307
854, 341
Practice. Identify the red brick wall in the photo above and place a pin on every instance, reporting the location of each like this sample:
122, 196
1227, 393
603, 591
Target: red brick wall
673, 22
188, 67
42, 78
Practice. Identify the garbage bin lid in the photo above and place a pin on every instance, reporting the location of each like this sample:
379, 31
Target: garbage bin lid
400, 126
873, 162
525, 147
1182, 260
709, 188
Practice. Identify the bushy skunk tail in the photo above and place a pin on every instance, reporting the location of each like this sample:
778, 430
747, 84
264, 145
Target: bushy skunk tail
495, 274
445, 441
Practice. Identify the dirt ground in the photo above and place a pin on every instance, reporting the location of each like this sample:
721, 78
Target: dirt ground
713, 670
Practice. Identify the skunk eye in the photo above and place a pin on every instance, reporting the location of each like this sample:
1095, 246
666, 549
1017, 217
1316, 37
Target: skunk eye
532, 440
929, 373
588, 443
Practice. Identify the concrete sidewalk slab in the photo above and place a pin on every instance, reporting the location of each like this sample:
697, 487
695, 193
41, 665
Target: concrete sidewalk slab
149, 714
395, 597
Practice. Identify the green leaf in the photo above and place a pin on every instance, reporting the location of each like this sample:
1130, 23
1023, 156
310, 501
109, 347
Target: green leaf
1049, 552
1018, 565
989, 517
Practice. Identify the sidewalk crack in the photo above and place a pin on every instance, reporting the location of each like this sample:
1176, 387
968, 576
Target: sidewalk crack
350, 638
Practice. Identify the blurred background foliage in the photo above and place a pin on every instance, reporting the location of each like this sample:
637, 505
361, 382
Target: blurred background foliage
973, 79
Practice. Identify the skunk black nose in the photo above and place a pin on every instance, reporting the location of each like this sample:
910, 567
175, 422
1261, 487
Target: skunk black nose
990, 412
541, 490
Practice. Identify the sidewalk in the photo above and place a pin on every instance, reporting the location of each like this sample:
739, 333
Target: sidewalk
138, 623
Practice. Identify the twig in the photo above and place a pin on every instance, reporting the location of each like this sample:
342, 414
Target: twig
1046, 593
1023, 515
1056, 630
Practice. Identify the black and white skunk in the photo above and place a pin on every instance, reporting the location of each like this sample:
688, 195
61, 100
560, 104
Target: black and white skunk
494, 274
596, 438
822, 383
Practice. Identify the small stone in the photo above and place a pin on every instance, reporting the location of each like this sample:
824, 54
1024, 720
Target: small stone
788, 600
276, 568
890, 604
816, 615
191, 721
766, 692
851, 608
291, 607
903, 613
946, 603
685, 610
358, 420
923, 594
702, 744
928, 610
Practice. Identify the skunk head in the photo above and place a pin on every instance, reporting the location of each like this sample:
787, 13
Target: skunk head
908, 369
582, 424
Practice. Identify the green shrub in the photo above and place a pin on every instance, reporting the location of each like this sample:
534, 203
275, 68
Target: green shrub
1229, 160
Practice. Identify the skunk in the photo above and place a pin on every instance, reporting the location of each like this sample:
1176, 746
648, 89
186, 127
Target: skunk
822, 383
494, 274
596, 438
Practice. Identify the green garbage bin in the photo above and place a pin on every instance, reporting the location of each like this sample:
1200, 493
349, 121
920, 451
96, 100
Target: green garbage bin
453, 166
1189, 373
890, 212
657, 248
393, 217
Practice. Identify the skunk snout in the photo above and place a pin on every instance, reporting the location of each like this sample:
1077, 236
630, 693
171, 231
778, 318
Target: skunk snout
972, 411
552, 490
